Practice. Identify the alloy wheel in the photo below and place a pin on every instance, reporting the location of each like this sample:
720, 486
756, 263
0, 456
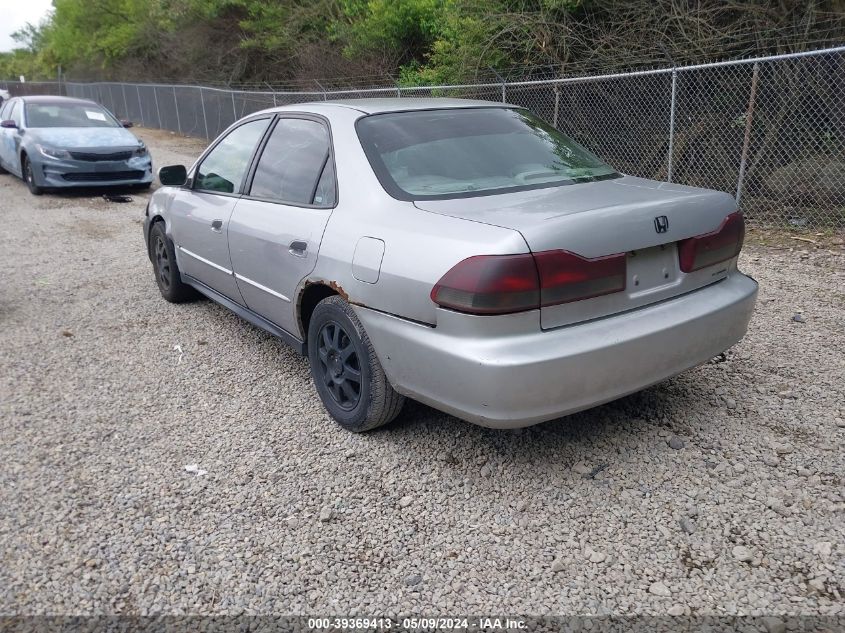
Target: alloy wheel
340, 365
162, 262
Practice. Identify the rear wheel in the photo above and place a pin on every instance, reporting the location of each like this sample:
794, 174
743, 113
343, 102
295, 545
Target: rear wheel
346, 370
168, 278
29, 177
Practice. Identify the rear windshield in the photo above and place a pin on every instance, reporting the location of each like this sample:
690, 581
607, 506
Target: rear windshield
68, 115
452, 153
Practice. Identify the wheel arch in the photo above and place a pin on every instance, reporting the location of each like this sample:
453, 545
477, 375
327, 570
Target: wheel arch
311, 294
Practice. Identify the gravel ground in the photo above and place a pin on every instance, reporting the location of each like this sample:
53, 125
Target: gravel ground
717, 492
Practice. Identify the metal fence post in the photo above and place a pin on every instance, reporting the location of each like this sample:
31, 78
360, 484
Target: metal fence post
234, 109
204, 119
140, 107
501, 81
746, 141
125, 103
176, 107
322, 89
158, 112
672, 125
557, 105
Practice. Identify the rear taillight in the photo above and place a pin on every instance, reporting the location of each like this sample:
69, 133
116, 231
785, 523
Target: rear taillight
711, 248
490, 284
502, 284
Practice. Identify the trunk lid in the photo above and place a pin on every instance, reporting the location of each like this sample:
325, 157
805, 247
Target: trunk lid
604, 218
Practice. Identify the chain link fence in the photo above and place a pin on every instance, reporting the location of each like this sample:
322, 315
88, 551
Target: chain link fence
770, 131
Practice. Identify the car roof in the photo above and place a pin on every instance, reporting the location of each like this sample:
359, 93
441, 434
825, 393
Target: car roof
396, 104
54, 99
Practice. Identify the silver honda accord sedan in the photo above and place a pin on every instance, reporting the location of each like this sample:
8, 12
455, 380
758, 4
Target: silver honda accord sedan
460, 253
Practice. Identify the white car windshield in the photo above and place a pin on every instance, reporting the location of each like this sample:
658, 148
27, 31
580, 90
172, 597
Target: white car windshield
59, 114
430, 154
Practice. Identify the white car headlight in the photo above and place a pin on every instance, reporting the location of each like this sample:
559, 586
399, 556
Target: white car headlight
141, 150
50, 152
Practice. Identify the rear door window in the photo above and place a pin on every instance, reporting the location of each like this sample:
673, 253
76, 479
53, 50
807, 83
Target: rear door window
295, 166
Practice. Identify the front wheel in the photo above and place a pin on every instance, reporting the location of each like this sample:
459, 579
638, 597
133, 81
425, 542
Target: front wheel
346, 370
168, 277
29, 178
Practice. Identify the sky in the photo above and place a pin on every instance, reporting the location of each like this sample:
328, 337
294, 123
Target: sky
14, 14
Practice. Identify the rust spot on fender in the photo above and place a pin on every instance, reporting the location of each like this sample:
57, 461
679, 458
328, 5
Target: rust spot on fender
337, 288
331, 284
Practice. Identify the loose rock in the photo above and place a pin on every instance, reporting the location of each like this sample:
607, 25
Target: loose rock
581, 468
659, 589
774, 625
742, 554
771, 460
596, 557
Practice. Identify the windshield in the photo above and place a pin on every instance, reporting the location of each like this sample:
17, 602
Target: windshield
68, 115
450, 153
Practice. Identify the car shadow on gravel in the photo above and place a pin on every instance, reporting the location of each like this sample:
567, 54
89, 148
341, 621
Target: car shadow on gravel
633, 420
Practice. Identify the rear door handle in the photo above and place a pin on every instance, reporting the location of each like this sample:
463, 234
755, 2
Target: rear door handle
298, 248
217, 226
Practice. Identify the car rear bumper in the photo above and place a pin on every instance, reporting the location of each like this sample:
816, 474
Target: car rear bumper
504, 372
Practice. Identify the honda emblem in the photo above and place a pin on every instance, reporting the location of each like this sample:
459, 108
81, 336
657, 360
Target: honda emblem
661, 224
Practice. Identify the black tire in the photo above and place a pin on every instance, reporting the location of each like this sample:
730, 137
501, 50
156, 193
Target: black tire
342, 356
29, 177
168, 277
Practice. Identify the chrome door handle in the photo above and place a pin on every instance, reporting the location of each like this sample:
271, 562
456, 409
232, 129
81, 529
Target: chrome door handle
298, 248
217, 226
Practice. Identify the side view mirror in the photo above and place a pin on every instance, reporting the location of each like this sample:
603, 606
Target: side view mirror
126, 123
173, 175
8, 123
